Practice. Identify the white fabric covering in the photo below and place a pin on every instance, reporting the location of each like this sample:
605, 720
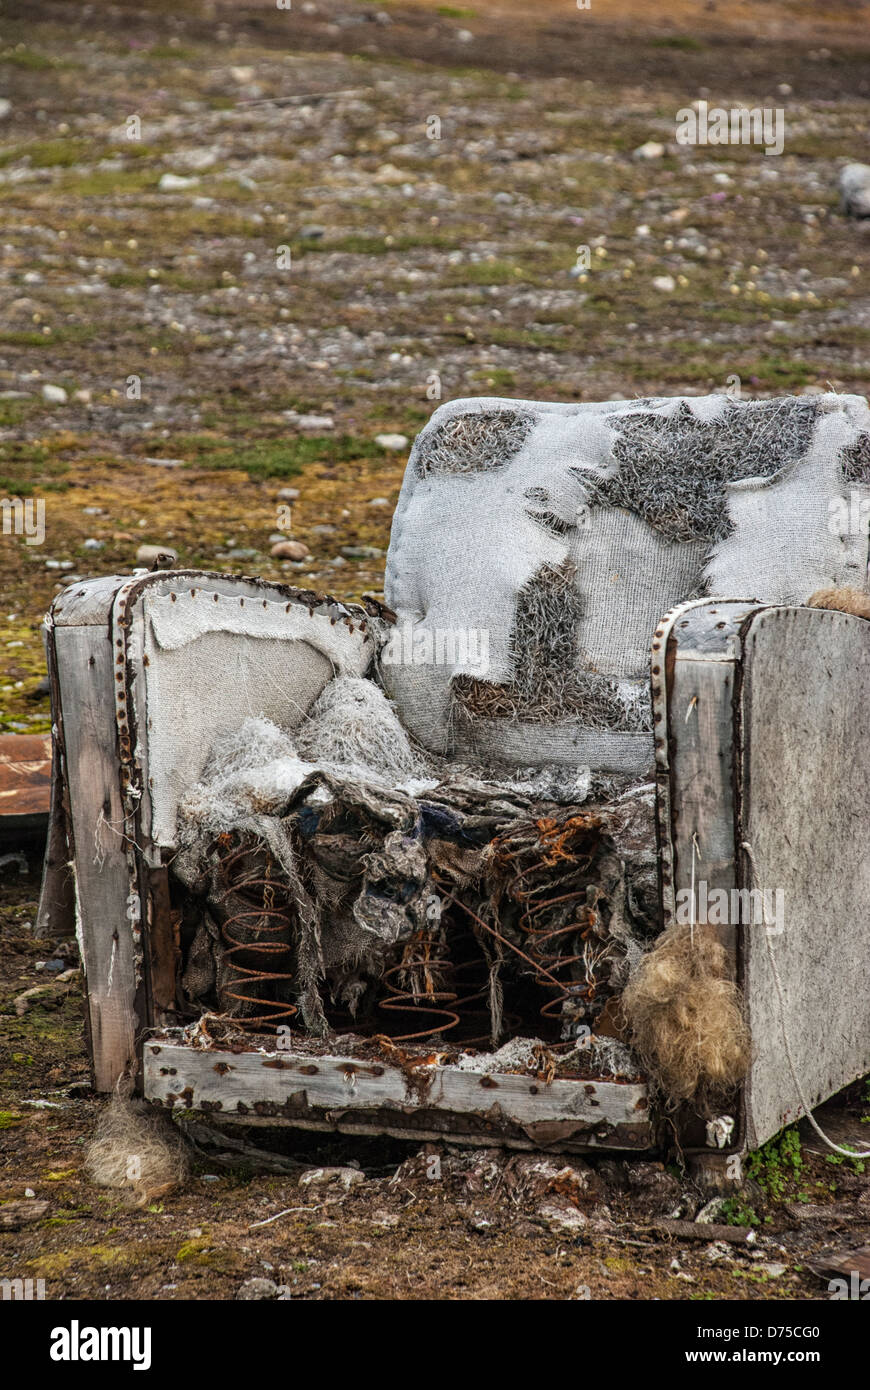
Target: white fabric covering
211, 660
464, 544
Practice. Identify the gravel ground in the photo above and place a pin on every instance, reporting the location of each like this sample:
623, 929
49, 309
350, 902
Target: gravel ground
283, 270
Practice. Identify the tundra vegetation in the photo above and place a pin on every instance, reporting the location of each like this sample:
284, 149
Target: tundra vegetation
282, 271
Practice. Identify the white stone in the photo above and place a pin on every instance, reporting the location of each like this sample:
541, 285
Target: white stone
147, 554
172, 183
855, 189
310, 422
651, 150
388, 173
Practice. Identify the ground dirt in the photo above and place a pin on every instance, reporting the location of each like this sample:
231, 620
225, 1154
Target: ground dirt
430, 1223
419, 269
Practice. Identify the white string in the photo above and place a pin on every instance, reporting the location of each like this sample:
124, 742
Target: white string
695, 852
835, 1148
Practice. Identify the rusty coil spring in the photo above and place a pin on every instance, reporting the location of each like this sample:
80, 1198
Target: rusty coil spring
471, 976
256, 938
417, 985
568, 844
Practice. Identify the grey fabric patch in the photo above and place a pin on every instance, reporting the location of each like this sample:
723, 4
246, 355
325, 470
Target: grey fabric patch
651, 507
855, 460
550, 681
673, 469
473, 443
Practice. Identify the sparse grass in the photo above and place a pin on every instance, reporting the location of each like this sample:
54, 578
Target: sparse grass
778, 1166
270, 458
28, 59
683, 43
101, 183
47, 154
171, 53
483, 273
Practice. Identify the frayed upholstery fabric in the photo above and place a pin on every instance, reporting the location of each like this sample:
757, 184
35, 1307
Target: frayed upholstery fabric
566, 532
373, 843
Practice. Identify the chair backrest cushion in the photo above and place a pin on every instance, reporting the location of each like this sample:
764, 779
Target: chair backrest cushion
535, 547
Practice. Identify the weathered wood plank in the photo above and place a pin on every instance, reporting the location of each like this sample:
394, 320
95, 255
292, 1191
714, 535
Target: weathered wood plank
806, 814
695, 669
706, 1231
87, 604
56, 914
25, 775
699, 753
234, 1083
84, 658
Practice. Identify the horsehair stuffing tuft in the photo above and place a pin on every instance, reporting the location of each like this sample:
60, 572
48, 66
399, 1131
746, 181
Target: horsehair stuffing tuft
673, 469
855, 460
684, 1016
844, 599
137, 1150
474, 442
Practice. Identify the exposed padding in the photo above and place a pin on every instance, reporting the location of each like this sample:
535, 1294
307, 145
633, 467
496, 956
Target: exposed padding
352, 725
213, 659
137, 1150
549, 681
845, 600
645, 504
674, 467
474, 442
684, 1017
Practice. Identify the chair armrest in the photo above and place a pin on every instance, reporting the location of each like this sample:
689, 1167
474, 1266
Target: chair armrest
146, 672
760, 744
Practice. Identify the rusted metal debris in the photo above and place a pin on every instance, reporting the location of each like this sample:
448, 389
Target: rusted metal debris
25, 780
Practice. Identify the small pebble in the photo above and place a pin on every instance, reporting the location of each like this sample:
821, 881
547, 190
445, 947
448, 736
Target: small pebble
148, 554
651, 150
174, 183
290, 550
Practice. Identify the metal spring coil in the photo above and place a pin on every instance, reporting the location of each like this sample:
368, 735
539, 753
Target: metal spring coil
256, 938
568, 844
417, 985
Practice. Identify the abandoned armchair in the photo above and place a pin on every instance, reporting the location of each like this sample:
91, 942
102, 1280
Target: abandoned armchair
567, 847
